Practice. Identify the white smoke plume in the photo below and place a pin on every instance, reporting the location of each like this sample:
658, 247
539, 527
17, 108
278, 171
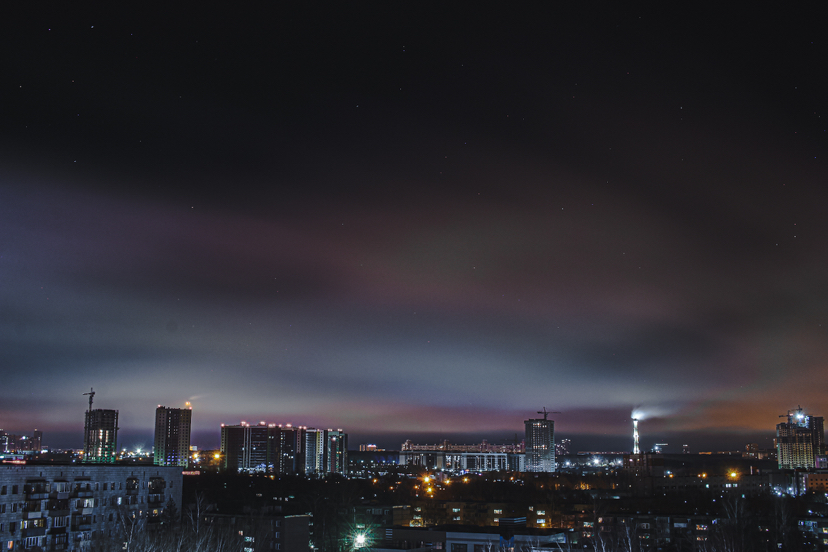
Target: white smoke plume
642, 412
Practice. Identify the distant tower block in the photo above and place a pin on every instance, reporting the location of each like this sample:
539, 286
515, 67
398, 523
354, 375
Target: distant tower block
100, 434
799, 441
540, 443
172, 436
636, 450
100, 438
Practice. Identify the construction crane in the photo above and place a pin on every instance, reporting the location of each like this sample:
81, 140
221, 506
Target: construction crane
546, 412
91, 396
798, 410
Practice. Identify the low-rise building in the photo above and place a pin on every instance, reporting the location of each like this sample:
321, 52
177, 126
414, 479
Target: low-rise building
471, 539
813, 482
268, 532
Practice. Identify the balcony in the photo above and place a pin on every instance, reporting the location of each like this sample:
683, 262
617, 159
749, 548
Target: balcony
85, 493
32, 515
37, 495
33, 532
83, 526
57, 513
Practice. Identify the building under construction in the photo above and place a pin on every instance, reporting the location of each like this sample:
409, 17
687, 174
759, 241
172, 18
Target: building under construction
540, 443
800, 440
100, 434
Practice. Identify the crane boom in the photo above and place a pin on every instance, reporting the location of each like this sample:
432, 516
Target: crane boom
547, 412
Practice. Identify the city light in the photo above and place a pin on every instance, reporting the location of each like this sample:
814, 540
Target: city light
361, 540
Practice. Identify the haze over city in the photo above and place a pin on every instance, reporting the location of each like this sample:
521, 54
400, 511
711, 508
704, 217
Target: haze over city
415, 222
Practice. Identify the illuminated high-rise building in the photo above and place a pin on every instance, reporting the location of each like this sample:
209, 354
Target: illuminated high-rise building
540, 445
315, 449
100, 436
337, 452
172, 436
799, 440
291, 449
250, 448
284, 449
37, 440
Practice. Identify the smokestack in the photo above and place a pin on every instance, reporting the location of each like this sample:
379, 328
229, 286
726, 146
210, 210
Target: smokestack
635, 436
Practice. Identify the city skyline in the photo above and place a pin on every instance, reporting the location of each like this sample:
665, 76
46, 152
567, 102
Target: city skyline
142, 439
414, 221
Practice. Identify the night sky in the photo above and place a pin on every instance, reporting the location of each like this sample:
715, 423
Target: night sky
413, 221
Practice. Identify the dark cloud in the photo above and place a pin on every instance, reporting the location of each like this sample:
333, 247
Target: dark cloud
414, 224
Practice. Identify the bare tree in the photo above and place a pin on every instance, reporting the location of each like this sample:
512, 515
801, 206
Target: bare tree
197, 511
731, 530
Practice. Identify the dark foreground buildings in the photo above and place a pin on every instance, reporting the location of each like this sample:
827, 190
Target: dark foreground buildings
71, 507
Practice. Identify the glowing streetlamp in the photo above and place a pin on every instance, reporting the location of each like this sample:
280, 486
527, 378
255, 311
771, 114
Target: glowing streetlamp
361, 539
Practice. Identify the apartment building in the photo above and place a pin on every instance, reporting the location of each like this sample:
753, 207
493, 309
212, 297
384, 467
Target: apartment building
68, 507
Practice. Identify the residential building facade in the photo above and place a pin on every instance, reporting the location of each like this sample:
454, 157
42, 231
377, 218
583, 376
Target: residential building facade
69, 507
284, 449
172, 436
